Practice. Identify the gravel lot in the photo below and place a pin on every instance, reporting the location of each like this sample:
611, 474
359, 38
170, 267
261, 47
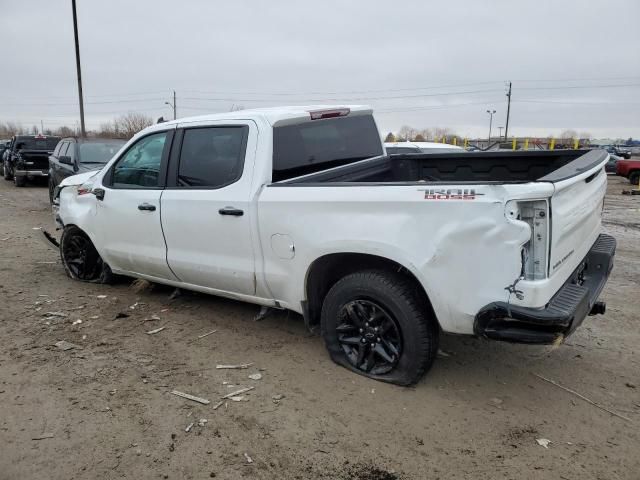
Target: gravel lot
104, 409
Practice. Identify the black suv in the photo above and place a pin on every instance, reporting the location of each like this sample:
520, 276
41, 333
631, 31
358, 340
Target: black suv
28, 156
78, 155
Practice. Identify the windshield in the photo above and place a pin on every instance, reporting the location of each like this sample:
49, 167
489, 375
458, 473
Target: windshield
441, 150
312, 146
99, 152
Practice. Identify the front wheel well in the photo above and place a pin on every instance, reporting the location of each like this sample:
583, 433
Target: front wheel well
325, 271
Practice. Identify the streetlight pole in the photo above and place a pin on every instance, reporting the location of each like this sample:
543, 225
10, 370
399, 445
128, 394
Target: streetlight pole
500, 132
490, 112
83, 133
173, 105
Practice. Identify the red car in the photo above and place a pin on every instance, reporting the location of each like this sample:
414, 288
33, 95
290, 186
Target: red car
629, 169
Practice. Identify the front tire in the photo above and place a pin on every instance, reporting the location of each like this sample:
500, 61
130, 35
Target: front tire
634, 178
19, 181
7, 172
378, 324
80, 258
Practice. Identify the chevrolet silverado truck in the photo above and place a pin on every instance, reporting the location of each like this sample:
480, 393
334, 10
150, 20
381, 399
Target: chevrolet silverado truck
28, 156
298, 208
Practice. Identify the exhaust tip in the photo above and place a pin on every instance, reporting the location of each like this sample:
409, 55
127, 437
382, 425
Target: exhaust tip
598, 308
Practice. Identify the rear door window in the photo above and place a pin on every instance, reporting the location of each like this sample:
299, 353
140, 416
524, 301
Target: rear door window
212, 157
316, 145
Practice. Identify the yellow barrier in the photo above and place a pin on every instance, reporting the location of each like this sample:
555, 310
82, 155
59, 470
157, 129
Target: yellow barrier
552, 144
513, 143
576, 144
526, 144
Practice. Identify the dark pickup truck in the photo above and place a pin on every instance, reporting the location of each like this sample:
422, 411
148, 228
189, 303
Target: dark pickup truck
28, 156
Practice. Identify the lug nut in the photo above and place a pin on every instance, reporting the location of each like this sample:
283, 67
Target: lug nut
361, 330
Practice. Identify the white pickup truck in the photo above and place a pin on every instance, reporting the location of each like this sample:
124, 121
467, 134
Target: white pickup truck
298, 208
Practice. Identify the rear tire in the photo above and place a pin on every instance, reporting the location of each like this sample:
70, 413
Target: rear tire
634, 177
80, 258
51, 190
19, 181
384, 313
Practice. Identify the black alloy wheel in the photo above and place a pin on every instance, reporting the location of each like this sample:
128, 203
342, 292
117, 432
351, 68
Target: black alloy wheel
369, 337
80, 258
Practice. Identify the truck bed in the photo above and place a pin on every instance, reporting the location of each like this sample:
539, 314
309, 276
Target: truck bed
466, 167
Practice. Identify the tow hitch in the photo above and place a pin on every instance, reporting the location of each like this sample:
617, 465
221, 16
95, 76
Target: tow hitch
598, 308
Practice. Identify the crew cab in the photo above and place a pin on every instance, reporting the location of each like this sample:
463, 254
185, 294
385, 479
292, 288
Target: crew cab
298, 208
28, 156
629, 169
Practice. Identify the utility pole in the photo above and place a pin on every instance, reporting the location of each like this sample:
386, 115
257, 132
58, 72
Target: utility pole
83, 133
500, 132
490, 112
41, 128
506, 126
173, 105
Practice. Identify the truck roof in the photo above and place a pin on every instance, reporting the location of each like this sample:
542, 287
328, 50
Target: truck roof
274, 115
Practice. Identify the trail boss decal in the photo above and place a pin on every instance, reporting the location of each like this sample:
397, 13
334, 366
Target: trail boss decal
450, 194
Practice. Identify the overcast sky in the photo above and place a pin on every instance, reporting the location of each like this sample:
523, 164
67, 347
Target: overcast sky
574, 63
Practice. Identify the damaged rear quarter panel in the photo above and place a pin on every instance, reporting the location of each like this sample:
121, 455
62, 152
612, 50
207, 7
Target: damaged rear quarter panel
464, 252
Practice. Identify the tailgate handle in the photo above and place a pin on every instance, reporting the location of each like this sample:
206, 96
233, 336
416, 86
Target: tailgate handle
236, 212
147, 207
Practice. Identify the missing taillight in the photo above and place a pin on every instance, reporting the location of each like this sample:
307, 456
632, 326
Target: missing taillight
535, 253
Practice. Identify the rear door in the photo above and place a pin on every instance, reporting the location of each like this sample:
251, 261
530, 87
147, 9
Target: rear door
128, 217
206, 208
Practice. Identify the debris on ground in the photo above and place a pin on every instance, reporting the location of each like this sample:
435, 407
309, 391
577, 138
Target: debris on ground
206, 334
64, 345
189, 427
121, 315
238, 392
139, 285
101, 297
277, 397
255, 376
218, 405
152, 318
249, 459
263, 313
630, 385
240, 366
202, 422
239, 398
573, 392
193, 398
443, 354
55, 314
76, 322
44, 436
157, 330
175, 294
543, 442
136, 305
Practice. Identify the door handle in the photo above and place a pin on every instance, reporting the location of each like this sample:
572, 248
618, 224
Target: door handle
236, 212
146, 206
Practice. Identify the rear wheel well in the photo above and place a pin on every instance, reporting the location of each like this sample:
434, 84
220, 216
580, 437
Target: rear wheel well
326, 271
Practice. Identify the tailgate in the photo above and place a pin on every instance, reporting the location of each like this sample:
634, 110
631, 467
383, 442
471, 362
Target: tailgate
576, 208
35, 159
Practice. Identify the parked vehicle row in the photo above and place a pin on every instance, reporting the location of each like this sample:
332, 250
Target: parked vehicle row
27, 157
300, 208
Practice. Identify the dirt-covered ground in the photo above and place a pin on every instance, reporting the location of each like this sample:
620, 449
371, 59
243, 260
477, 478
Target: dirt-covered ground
104, 409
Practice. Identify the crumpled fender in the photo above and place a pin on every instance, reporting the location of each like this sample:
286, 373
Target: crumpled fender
79, 179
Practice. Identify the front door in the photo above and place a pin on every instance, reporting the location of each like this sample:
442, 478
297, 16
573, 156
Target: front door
128, 217
206, 208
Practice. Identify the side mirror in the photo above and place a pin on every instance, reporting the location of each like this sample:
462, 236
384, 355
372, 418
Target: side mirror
65, 159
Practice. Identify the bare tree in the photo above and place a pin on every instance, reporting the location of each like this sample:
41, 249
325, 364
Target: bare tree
406, 133
132, 123
390, 138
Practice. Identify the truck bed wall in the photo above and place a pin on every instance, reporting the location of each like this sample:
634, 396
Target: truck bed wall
449, 167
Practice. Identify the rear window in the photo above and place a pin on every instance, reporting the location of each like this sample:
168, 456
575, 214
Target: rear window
395, 150
321, 144
48, 143
99, 152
